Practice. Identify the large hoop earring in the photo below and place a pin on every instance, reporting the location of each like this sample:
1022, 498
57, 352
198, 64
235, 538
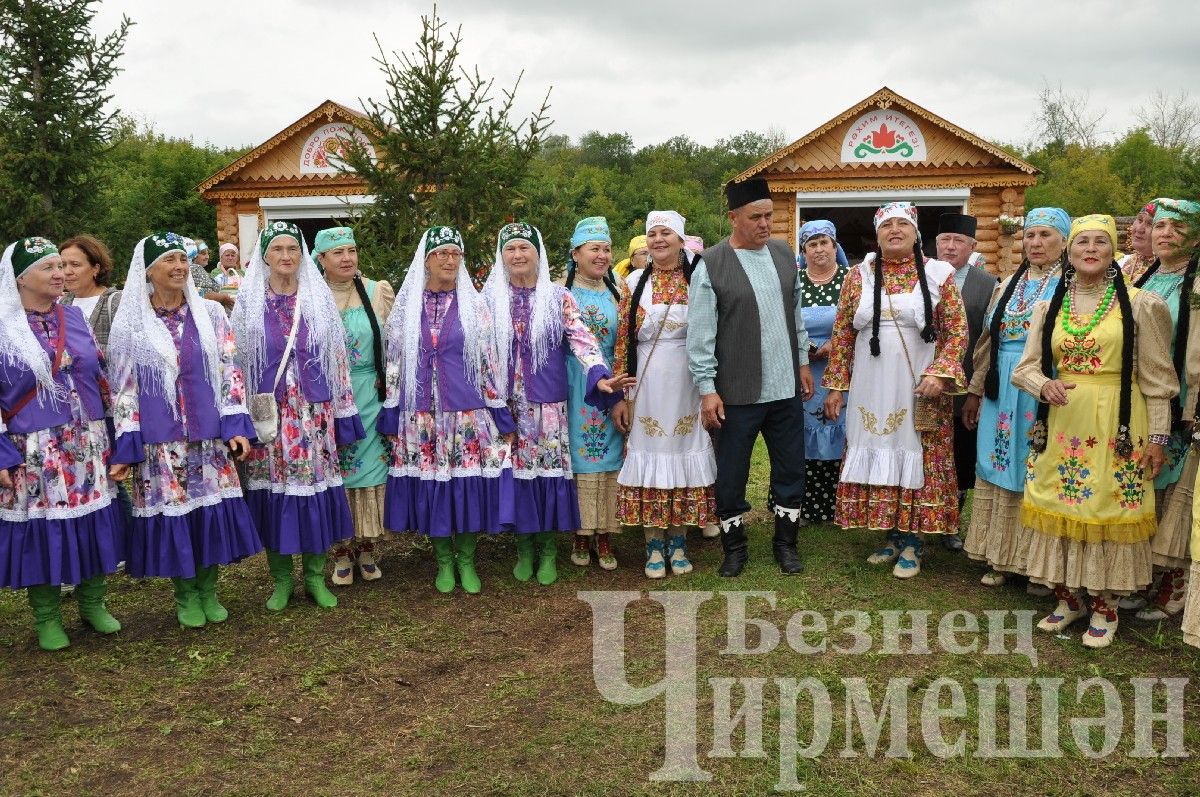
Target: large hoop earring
1112, 272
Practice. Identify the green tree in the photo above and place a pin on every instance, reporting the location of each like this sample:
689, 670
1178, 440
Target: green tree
54, 83
148, 182
449, 152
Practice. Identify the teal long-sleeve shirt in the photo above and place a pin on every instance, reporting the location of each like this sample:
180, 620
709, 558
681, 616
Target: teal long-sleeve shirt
778, 381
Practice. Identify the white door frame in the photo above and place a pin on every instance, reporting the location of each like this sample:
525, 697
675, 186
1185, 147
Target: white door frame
313, 207
945, 197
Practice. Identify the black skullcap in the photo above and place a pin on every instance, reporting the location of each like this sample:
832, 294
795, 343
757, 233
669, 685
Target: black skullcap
957, 222
745, 192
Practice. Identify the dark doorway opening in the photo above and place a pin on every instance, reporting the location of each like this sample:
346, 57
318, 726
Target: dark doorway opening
309, 227
856, 226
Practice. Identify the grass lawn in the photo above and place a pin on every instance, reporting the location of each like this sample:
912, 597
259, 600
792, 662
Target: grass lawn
403, 691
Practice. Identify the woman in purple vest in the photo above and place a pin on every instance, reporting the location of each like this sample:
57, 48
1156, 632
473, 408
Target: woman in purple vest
179, 408
538, 326
59, 522
451, 471
294, 485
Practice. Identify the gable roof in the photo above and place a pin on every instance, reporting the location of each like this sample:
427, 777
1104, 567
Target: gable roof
885, 98
328, 109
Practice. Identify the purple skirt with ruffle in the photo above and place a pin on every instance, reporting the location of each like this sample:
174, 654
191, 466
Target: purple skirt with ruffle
466, 504
163, 546
66, 551
291, 524
546, 503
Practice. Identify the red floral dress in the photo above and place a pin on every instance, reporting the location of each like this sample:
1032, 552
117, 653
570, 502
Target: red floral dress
933, 508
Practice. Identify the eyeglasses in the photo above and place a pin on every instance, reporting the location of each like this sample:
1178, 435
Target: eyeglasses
448, 254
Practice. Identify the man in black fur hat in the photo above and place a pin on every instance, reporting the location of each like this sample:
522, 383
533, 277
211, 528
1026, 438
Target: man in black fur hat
748, 354
955, 245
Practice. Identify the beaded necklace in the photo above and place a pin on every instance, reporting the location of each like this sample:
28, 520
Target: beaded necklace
1020, 306
1070, 320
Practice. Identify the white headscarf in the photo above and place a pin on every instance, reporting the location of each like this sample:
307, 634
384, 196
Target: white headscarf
326, 335
19, 347
404, 326
666, 218
546, 326
139, 338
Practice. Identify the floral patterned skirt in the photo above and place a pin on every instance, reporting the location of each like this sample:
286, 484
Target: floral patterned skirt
294, 485
931, 509
663, 508
450, 472
60, 523
188, 510
545, 495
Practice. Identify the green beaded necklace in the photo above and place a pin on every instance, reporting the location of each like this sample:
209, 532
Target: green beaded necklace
1068, 314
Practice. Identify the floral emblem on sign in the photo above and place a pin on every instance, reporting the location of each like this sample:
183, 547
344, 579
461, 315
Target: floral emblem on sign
884, 140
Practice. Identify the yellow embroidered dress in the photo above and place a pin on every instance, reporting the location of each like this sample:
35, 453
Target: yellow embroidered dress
1088, 512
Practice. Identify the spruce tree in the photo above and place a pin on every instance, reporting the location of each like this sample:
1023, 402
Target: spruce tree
54, 102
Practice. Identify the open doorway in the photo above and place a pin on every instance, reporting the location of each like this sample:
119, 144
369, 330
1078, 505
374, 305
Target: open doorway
309, 227
856, 226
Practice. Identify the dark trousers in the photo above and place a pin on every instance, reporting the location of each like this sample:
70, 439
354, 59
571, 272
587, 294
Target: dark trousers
782, 426
964, 454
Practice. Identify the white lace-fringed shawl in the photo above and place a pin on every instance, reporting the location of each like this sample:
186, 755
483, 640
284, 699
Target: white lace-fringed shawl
139, 338
326, 335
404, 328
546, 322
19, 347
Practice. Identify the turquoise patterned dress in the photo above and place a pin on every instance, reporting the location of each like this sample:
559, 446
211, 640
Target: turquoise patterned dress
596, 445
364, 464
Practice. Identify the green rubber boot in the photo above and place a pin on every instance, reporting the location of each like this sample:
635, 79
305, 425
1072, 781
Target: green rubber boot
280, 566
45, 601
314, 580
524, 569
206, 584
443, 553
187, 603
90, 597
547, 545
465, 543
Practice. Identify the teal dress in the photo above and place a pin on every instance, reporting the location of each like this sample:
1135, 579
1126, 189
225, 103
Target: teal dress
1168, 287
596, 445
364, 464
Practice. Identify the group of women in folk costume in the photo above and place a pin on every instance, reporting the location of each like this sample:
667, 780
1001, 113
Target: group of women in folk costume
1069, 462
477, 404
452, 412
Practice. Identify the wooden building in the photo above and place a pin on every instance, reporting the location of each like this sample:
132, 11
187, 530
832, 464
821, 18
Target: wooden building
293, 176
887, 148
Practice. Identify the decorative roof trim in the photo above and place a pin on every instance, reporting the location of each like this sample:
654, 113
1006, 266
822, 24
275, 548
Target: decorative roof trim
329, 109
883, 99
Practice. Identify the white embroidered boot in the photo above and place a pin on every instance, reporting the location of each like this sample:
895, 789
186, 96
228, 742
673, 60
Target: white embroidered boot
1069, 609
1103, 626
343, 567
890, 552
367, 565
908, 564
1168, 601
656, 563
581, 551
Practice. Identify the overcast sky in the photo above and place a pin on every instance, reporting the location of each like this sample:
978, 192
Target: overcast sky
234, 72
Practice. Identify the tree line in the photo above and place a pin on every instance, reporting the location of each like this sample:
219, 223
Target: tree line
452, 151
